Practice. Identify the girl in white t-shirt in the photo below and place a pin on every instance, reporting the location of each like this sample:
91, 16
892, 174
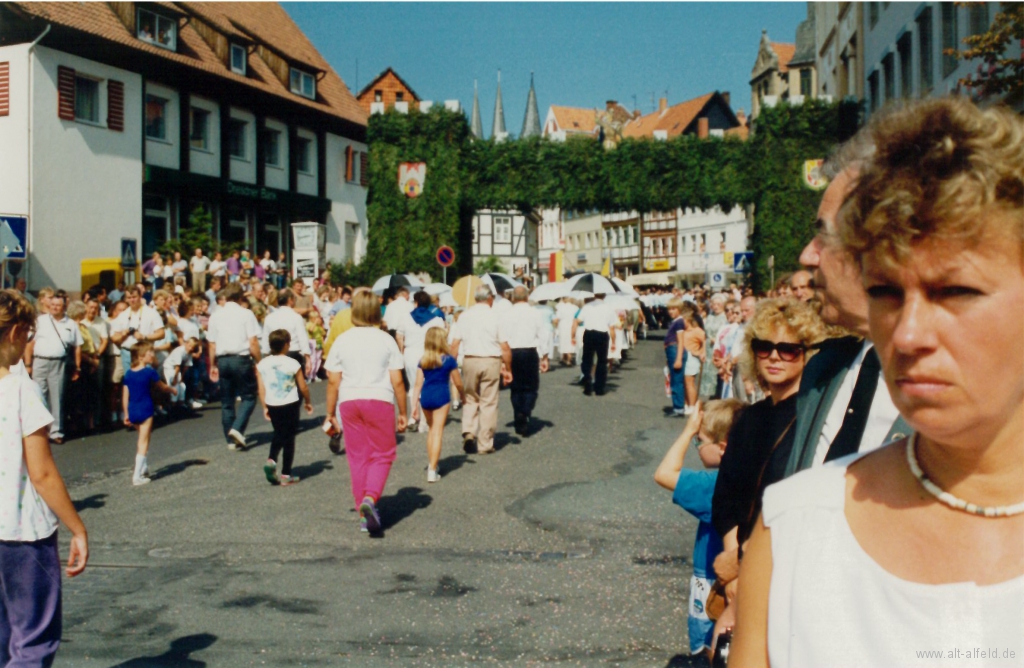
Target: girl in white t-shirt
32, 498
281, 381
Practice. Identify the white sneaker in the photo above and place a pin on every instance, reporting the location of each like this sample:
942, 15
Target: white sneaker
433, 475
196, 405
140, 481
238, 440
423, 428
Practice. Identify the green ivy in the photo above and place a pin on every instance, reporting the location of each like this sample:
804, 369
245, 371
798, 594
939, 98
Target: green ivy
464, 176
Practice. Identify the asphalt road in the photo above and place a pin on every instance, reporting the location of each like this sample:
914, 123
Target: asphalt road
559, 549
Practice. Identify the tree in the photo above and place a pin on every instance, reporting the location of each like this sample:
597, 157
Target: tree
999, 74
198, 233
488, 265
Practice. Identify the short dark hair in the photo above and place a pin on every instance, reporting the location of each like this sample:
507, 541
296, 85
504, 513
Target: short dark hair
284, 296
422, 299
279, 339
233, 293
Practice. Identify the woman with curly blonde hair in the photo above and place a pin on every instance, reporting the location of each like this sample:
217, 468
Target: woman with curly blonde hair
881, 558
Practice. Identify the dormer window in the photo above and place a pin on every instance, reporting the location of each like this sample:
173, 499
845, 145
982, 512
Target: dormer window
157, 30
303, 83
238, 59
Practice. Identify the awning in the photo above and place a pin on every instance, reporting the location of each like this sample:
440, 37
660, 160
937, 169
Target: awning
663, 278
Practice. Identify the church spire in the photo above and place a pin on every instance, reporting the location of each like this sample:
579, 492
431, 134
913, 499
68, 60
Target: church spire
498, 130
531, 120
476, 126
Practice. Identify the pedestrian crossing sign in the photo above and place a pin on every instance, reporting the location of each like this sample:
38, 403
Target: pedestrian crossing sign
742, 263
13, 237
129, 258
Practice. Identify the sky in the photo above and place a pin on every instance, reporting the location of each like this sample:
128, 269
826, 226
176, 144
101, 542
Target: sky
581, 53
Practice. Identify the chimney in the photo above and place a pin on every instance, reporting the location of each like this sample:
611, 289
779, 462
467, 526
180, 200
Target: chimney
741, 116
725, 98
702, 127
610, 104
662, 104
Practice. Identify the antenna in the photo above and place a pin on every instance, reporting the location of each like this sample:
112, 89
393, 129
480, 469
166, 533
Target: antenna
634, 101
654, 106
357, 74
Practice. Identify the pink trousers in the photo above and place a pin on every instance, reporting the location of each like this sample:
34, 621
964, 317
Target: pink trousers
369, 445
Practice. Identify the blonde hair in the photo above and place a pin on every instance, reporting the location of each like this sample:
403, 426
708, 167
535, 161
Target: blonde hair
15, 311
718, 418
675, 303
435, 348
799, 318
139, 351
365, 309
941, 168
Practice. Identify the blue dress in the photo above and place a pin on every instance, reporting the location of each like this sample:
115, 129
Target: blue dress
436, 392
140, 397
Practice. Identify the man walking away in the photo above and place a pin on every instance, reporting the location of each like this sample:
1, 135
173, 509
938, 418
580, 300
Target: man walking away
599, 322
233, 343
522, 328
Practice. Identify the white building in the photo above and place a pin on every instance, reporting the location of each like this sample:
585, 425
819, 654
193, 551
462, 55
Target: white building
584, 241
904, 44
509, 236
707, 241
122, 118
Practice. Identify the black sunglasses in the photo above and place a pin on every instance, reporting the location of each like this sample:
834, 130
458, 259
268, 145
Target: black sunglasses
788, 352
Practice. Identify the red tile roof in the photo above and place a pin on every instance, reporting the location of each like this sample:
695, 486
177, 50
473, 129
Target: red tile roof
673, 120
575, 119
785, 53
263, 22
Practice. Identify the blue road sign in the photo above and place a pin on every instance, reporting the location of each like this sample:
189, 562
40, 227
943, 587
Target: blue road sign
16, 241
742, 262
129, 254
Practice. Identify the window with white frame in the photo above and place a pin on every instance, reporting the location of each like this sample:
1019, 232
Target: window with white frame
272, 147
199, 129
238, 59
303, 83
156, 118
502, 229
237, 146
87, 100
157, 30
302, 151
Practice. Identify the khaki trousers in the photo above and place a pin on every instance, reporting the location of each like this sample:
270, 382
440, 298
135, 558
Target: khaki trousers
198, 282
482, 379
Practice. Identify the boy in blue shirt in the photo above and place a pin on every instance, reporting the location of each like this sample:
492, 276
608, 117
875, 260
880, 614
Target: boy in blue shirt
693, 490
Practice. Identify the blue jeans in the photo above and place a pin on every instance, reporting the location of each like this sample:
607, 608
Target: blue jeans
675, 377
237, 379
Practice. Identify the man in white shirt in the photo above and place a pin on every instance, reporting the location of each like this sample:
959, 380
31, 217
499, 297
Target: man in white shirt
138, 322
54, 353
484, 350
284, 317
399, 307
232, 345
599, 322
523, 330
199, 264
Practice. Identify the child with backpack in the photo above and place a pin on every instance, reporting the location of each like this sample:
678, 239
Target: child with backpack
281, 380
693, 490
32, 499
436, 368
137, 399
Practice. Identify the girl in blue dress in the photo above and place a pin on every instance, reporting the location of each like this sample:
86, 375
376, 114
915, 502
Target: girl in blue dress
137, 398
436, 368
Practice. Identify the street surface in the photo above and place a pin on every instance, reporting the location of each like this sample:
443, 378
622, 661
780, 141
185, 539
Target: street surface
559, 549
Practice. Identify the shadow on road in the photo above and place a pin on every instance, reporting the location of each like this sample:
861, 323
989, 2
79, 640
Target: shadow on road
395, 508
177, 655
312, 470
172, 469
91, 502
687, 661
501, 439
453, 463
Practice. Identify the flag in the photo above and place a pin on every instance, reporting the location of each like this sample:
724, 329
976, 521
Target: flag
411, 177
606, 269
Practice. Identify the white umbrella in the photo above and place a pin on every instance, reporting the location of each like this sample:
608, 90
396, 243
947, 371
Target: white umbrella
499, 283
591, 282
623, 286
581, 295
395, 281
548, 291
622, 302
436, 288
446, 299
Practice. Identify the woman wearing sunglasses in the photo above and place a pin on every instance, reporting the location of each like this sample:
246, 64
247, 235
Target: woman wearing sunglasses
911, 553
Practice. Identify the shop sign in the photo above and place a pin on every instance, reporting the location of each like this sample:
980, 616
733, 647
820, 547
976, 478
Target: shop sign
253, 192
662, 264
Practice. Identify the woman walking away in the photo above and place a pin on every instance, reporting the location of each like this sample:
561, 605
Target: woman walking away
281, 381
436, 369
32, 498
139, 382
364, 373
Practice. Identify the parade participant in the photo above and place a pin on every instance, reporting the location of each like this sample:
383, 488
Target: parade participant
675, 356
436, 370
547, 320
801, 285
485, 351
199, 264
565, 316
600, 323
693, 340
693, 491
364, 372
54, 357
232, 344
32, 498
281, 381
918, 543
521, 328
398, 308
286, 318
410, 333
141, 381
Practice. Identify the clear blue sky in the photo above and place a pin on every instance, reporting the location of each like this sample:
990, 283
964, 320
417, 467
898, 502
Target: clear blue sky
581, 53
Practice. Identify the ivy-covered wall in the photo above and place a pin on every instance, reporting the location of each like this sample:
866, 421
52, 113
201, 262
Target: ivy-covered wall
644, 175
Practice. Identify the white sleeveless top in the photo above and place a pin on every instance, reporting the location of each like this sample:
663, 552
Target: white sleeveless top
831, 605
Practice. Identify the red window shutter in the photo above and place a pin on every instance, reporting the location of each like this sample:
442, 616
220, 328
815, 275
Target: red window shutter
364, 169
65, 93
115, 105
5, 89
348, 163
